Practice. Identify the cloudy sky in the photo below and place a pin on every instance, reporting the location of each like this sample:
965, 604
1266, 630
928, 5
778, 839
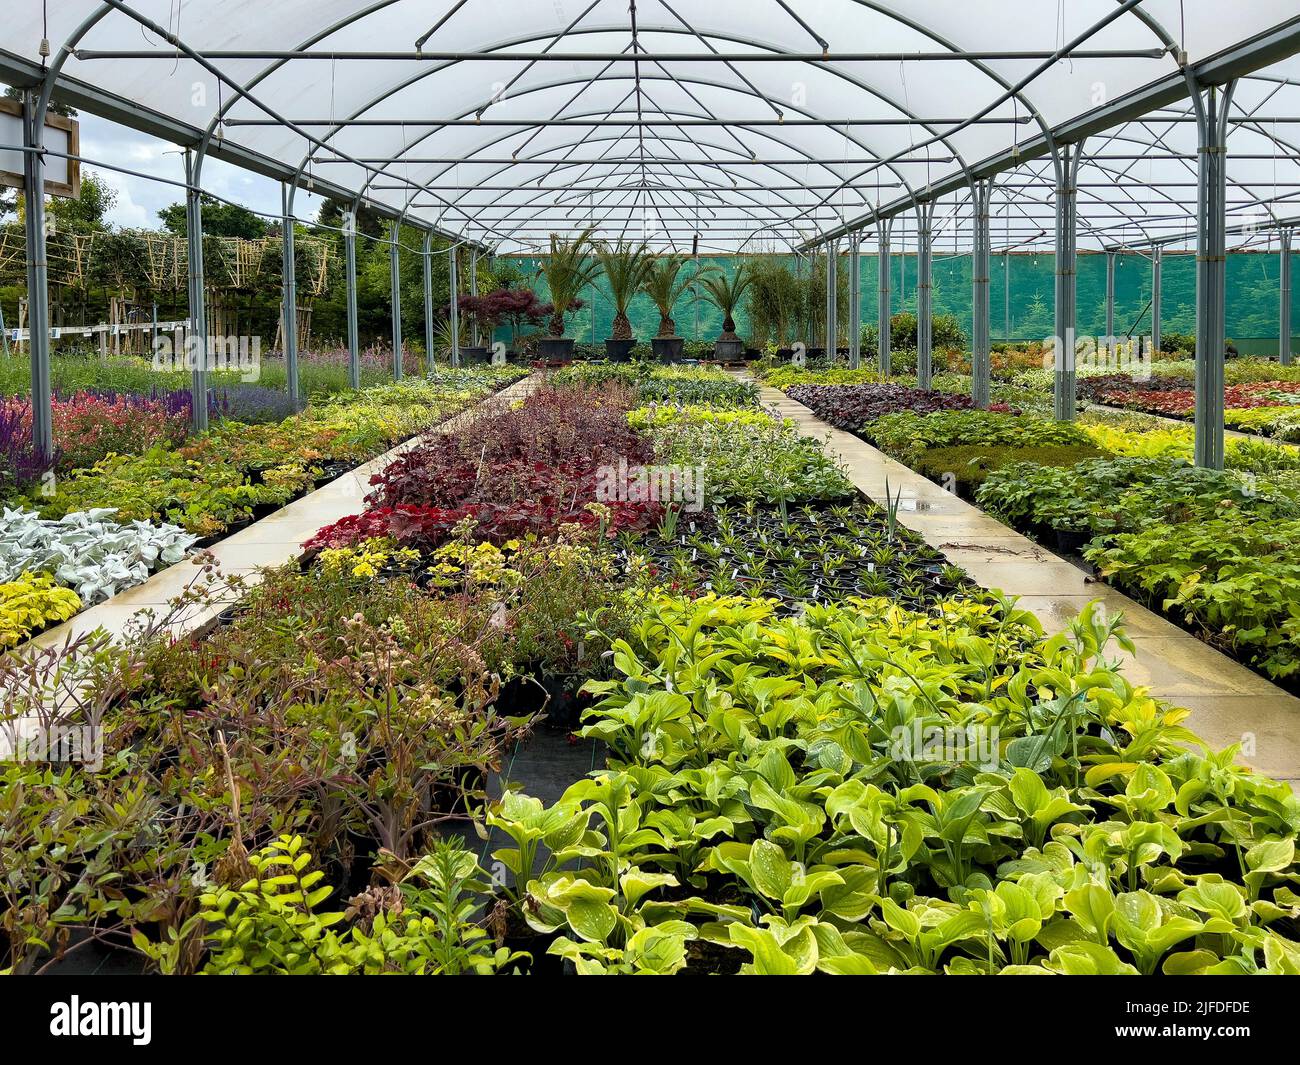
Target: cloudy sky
139, 199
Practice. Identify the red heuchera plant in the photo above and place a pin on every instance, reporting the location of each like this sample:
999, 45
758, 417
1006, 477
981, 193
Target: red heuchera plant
1181, 403
551, 445
1173, 403
1093, 387
429, 527
524, 470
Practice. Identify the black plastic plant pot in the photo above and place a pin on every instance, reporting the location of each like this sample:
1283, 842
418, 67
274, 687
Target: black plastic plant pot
82, 958
549, 348
784, 354
519, 698
751, 354
520, 937
1072, 542
816, 353
619, 350
668, 349
332, 469
475, 356
728, 350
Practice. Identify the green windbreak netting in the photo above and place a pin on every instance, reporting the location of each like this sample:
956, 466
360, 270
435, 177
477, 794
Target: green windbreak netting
1252, 302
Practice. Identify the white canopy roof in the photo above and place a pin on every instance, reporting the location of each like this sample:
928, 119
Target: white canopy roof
758, 124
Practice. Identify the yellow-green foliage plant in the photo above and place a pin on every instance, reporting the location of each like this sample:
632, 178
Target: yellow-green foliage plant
784, 376
1255, 456
32, 603
665, 415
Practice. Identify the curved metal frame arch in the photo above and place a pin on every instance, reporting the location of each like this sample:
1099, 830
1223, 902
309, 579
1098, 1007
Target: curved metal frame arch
392, 90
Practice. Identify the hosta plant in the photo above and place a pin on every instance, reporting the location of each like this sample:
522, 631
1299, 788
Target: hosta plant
771, 769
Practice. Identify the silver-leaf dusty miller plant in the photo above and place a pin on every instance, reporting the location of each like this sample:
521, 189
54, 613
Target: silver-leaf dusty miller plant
96, 557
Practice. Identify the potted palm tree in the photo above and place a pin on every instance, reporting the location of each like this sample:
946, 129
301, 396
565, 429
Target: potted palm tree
625, 266
664, 284
726, 292
568, 270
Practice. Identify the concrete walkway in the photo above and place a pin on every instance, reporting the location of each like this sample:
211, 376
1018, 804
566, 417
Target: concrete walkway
1229, 703
272, 541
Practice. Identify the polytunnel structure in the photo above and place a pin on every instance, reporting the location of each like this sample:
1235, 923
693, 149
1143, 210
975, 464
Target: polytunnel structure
840, 634
1115, 124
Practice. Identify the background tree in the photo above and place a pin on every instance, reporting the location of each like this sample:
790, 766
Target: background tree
515, 307
726, 292
219, 220
625, 266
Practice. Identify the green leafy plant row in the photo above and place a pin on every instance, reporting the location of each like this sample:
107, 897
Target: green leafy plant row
1236, 583
1125, 494
907, 436
1214, 549
747, 456
766, 809
698, 385
216, 480
274, 923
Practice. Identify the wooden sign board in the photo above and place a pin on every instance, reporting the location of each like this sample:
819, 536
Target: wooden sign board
62, 175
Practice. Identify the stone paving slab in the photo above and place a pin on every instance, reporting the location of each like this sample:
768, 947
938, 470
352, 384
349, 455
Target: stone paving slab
1228, 702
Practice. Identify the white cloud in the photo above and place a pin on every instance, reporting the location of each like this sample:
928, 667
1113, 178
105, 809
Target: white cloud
126, 213
140, 198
